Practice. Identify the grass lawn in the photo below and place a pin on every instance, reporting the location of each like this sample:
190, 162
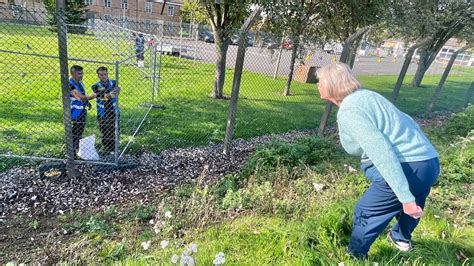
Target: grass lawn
31, 110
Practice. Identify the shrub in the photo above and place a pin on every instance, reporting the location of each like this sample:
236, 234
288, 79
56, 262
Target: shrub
460, 124
304, 151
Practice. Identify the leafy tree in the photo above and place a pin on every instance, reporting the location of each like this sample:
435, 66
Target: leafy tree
193, 12
292, 19
75, 14
437, 19
224, 17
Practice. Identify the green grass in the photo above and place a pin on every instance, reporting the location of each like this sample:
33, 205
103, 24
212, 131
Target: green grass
31, 110
296, 212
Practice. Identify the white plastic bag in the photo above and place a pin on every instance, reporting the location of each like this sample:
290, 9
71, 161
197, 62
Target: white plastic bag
87, 149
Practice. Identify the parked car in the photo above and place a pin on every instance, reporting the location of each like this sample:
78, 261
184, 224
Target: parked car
206, 36
287, 44
335, 48
234, 40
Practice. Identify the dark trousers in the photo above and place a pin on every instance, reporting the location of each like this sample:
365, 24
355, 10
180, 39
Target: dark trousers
107, 131
78, 126
140, 54
379, 205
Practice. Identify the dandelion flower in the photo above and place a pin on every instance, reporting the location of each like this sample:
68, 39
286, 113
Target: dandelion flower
219, 259
146, 245
189, 261
193, 247
168, 214
318, 187
164, 244
174, 259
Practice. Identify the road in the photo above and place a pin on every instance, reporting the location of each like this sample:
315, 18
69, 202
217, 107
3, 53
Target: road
262, 61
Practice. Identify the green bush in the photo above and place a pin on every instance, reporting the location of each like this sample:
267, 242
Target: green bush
262, 165
142, 213
227, 183
304, 151
460, 124
184, 191
259, 197
457, 162
92, 224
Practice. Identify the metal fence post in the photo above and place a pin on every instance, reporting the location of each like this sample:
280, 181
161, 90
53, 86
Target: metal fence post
153, 84
180, 39
63, 69
279, 58
117, 114
195, 43
239, 66
157, 85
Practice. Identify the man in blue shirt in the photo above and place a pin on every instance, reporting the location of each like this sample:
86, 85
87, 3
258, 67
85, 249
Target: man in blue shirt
79, 101
107, 108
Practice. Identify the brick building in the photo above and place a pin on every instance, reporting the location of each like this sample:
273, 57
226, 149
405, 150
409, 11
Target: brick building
23, 11
143, 11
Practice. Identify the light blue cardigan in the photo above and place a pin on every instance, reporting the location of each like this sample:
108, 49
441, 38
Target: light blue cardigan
370, 126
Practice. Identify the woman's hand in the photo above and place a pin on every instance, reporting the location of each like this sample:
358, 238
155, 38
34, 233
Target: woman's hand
412, 210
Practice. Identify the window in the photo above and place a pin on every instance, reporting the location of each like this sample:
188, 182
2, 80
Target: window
147, 24
88, 2
108, 3
108, 17
148, 7
124, 4
168, 27
170, 11
15, 10
463, 57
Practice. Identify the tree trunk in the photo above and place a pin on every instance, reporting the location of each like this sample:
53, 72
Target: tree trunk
406, 64
219, 78
426, 59
292, 67
421, 69
345, 54
403, 72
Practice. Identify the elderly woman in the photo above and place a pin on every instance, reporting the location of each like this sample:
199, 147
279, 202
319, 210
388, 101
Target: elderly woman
396, 156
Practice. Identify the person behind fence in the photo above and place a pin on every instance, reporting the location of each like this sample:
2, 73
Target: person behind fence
107, 108
79, 101
396, 156
140, 49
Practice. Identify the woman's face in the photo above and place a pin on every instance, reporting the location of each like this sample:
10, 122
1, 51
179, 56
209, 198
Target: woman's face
323, 93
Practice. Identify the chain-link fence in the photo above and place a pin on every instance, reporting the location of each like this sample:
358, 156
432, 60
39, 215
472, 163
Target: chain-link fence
160, 87
113, 81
